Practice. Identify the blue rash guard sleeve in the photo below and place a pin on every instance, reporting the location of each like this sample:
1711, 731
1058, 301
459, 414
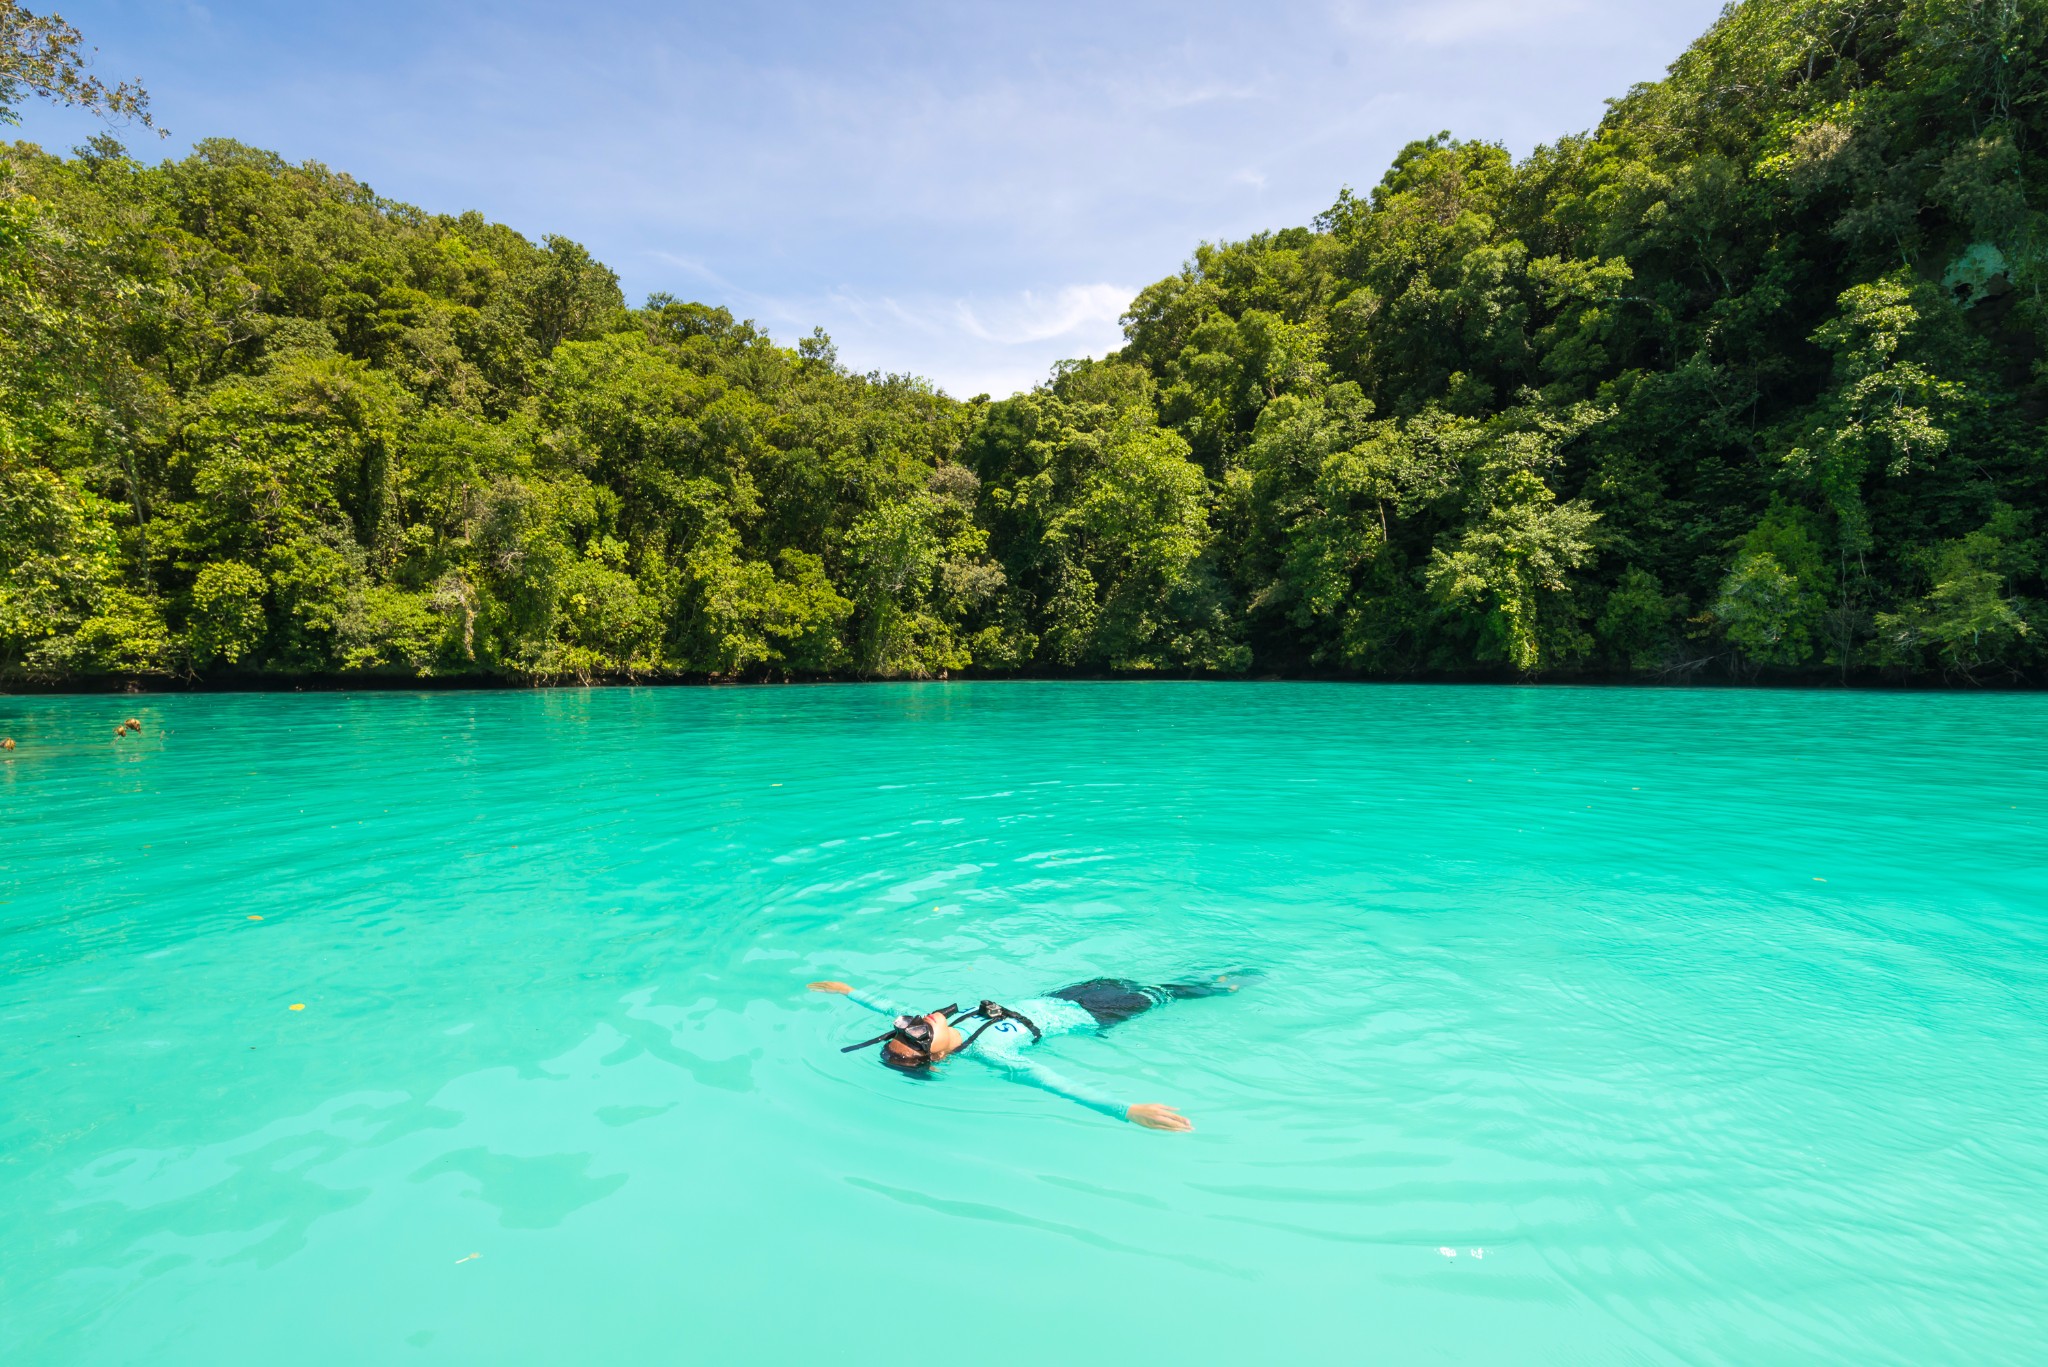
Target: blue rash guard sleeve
1017, 1068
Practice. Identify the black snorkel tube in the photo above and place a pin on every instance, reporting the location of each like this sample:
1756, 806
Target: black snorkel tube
914, 1031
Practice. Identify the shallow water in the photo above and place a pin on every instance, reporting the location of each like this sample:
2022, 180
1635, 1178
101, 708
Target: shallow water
1703, 1027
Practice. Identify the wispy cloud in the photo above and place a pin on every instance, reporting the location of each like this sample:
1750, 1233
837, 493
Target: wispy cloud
1030, 317
1463, 21
993, 344
691, 266
1167, 91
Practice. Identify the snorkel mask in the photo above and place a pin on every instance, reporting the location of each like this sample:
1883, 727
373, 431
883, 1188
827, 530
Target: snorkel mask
914, 1032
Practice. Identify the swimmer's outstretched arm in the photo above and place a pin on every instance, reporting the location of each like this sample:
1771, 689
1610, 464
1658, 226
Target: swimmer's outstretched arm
880, 1005
1031, 1072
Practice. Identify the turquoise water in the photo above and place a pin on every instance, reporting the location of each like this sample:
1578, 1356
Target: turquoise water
1717, 1021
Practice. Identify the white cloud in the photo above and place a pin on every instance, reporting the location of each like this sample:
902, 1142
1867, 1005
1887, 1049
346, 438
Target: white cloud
1083, 311
991, 344
1168, 90
697, 268
1464, 21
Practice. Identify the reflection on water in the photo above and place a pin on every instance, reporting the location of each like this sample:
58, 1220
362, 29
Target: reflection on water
1701, 1027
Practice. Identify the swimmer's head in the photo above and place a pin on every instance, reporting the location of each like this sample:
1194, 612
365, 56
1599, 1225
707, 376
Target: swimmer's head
904, 1059
915, 1042
923, 1042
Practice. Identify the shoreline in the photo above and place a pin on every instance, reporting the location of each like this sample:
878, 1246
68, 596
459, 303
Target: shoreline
1819, 680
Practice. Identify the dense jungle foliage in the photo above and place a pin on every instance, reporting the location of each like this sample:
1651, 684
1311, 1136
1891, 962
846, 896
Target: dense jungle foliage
1749, 378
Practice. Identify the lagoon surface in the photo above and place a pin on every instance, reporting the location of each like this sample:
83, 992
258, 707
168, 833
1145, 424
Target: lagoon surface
1702, 1026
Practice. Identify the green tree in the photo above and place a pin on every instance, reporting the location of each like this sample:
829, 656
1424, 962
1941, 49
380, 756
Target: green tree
1969, 618
1635, 621
42, 56
1773, 599
227, 619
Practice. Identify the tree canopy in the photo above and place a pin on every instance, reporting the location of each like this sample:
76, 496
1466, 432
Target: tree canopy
1749, 378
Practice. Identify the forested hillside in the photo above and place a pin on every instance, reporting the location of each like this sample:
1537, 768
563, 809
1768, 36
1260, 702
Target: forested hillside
1748, 380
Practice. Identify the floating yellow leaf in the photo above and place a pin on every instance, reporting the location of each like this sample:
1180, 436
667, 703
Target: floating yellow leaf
297, 1006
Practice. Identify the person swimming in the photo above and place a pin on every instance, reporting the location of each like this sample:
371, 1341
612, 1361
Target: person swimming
1000, 1034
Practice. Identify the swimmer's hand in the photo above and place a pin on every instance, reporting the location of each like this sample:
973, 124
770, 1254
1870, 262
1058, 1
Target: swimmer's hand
1154, 1116
841, 988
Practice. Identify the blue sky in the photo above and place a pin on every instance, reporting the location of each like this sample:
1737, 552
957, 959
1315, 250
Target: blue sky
964, 190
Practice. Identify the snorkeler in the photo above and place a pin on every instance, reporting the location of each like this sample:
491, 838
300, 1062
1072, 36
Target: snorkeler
1000, 1034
